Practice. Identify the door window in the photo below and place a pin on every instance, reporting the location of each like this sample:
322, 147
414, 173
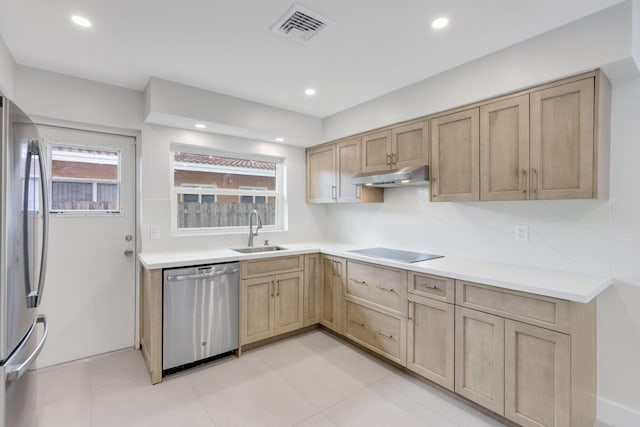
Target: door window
85, 179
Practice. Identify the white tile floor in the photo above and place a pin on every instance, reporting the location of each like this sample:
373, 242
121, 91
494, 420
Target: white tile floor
312, 380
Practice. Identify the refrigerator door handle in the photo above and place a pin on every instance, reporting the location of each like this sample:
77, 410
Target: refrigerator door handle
16, 371
44, 185
33, 298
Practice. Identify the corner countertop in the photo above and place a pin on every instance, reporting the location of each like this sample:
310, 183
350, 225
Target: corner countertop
557, 284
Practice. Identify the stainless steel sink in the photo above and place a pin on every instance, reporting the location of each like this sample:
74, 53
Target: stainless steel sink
258, 249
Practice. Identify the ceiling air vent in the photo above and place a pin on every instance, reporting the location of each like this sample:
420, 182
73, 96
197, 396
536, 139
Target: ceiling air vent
300, 24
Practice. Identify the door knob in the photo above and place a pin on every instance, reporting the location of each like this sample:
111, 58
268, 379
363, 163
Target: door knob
128, 252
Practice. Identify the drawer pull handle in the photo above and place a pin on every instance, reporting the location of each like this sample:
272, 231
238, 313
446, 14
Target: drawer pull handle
424, 285
385, 335
382, 288
360, 282
357, 322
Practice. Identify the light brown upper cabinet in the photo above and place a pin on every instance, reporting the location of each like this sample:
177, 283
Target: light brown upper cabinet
546, 142
562, 141
410, 145
454, 157
330, 168
348, 160
504, 149
321, 174
402, 146
376, 151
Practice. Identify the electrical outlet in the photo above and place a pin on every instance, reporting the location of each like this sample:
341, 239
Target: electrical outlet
154, 232
521, 233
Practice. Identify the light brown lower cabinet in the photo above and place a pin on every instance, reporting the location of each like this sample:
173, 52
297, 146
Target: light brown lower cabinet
430, 340
151, 321
332, 283
312, 298
380, 332
271, 305
537, 376
479, 358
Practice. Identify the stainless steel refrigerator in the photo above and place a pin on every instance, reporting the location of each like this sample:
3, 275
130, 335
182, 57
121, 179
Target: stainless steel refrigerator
23, 255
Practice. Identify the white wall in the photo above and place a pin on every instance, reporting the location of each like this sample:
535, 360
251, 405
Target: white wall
586, 44
618, 307
7, 66
181, 106
305, 222
43, 94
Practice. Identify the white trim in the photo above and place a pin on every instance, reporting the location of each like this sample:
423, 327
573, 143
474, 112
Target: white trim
233, 170
616, 415
84, 157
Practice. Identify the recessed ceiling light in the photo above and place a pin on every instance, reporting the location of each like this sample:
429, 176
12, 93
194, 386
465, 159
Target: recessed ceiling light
200, 126
279, 139
81, 21
440, 23
310, 91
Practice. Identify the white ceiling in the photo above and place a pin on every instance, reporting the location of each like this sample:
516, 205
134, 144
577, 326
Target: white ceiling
373, 47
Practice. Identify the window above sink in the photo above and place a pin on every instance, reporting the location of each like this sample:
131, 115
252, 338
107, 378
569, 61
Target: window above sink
214, 192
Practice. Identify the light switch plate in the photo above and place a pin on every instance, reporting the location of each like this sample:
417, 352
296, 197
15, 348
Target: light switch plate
154, 232
521, 233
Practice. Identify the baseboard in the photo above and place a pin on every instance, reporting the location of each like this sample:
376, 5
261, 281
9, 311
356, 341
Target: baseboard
616, 415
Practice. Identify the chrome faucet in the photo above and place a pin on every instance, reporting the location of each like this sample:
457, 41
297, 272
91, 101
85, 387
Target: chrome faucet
258, 226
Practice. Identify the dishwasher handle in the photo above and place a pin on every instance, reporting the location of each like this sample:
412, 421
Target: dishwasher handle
202, 275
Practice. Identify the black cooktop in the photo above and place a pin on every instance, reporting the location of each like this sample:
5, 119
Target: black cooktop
396, 255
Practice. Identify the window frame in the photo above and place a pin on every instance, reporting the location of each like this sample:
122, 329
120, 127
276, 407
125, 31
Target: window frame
83, 212
279, 193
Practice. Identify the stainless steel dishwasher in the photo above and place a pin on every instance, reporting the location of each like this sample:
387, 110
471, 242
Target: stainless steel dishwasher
200, 314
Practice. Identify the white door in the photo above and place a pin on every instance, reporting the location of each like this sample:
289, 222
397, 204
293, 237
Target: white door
90, 284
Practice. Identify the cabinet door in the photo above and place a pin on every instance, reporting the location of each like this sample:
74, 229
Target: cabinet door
504, 149
257, 320
537, 376
312, 289
321, 174
348, 155
409, 145
455, 151
332, 272
479, 358
562, 145
431, 337
376, 151
288, 302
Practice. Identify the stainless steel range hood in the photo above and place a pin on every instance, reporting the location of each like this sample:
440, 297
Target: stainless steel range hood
394, 178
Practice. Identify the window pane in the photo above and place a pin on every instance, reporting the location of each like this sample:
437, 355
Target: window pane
231, 214
84, 163
71, 195
78, 176
107, 192
209, 172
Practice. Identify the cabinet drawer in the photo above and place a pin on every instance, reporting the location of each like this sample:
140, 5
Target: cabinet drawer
379, 285
435, 287
380, 332
267, 266
536, 310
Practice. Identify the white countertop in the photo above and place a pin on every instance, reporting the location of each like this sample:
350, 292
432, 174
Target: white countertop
557, 284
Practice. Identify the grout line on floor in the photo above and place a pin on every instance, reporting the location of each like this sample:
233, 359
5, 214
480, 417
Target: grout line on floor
204, 408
